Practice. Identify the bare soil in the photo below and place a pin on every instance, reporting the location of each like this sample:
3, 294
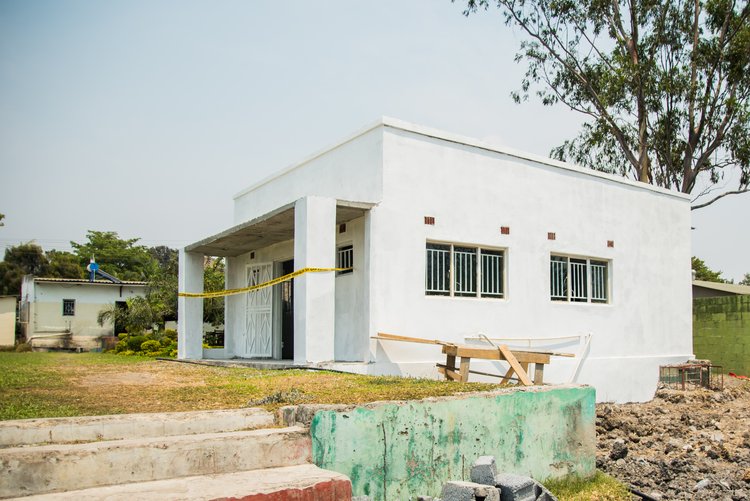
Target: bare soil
692, 444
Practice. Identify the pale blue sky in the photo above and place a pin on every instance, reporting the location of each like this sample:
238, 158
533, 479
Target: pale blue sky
145, 117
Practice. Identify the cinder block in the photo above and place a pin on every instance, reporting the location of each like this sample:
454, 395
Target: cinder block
469, 491
516, 487
484, 470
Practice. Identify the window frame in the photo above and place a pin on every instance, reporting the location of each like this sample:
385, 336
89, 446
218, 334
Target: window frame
460, 284
68, 307
340, 251
586, 291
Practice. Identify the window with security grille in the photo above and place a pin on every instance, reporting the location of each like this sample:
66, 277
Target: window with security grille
69, 307
345, 259
578, 280
462, 271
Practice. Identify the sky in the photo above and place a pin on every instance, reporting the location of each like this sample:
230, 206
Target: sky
146, 117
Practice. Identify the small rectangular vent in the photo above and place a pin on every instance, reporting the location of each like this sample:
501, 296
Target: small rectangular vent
429, 220
551, 236
505, 230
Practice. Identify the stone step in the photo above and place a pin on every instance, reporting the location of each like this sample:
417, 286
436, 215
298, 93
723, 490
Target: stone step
118, 427
63, 467
292, 483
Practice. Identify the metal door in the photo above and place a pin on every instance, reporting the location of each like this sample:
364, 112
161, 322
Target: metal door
258, 307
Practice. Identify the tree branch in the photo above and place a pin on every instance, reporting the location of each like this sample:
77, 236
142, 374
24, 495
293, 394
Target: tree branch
734, 192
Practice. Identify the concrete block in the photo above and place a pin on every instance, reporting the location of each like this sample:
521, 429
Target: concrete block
118, 427
484, 470
468, 491
49, 468
303, 483
516, 487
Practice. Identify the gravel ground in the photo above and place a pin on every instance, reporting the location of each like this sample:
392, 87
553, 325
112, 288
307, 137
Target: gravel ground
691, 444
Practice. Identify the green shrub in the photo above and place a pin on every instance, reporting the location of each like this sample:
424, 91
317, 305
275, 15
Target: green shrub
171, 334
135, 342
122, 335
22, 347
150, 345
127, 353
121, 346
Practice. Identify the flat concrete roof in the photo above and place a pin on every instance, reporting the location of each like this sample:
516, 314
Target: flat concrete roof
268, 229
396, 124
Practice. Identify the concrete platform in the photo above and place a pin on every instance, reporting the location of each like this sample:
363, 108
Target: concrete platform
293, 483
118, 427
51, 468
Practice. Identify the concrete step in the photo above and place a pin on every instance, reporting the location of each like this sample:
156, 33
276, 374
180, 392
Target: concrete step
292, 483
64, 467
118, 427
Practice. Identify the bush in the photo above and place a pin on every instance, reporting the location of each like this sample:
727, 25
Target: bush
121, 346
122, 335
150, 345
135, 342
22, 347
171, 334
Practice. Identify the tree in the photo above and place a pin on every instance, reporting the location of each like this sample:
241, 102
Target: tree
213, 280
121, 258
162, 291
2, 216
137, 317
745, 280
64, 264
703, 272
20, 260
665, 86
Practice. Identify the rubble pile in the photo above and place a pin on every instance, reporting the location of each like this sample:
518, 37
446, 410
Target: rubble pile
682, 445
489, 485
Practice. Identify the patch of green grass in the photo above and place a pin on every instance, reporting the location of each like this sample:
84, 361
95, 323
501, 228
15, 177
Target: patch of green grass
69, 384
600, 487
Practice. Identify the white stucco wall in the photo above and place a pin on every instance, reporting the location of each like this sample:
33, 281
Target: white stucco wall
472, 193
7, 320
351, 171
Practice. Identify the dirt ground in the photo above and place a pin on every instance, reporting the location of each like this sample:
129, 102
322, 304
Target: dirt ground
692, 444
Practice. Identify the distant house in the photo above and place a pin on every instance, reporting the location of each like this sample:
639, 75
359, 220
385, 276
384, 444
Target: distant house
702, 288
61, 313
7, 320
448, 238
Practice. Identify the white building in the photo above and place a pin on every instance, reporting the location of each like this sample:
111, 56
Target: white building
62, 312
7, 321
451, 237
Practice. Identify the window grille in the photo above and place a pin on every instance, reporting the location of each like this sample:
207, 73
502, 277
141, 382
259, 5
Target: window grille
345, 259
69, 307
599, 281
437, 274
492, 273
578, 280
460, 271
465, 271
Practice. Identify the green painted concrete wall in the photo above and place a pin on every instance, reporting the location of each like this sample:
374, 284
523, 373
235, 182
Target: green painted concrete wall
721, 332
398, 450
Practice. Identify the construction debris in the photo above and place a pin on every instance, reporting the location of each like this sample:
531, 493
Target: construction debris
489, 485
518, 360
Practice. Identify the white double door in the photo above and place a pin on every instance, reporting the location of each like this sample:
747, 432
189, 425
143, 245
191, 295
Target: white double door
258, 334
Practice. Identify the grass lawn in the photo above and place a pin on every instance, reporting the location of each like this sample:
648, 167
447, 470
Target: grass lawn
36, 385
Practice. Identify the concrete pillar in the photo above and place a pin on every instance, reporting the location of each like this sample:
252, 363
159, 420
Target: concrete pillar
232, 306
190, 310
314, 293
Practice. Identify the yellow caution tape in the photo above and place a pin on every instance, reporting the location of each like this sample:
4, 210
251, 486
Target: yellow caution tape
284, 278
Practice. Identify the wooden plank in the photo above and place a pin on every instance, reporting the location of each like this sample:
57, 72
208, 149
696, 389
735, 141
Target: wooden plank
507, 376
465, 362
450, 364
472, 371
515, 365
393, 337
538, 373
449, 374
494, 354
